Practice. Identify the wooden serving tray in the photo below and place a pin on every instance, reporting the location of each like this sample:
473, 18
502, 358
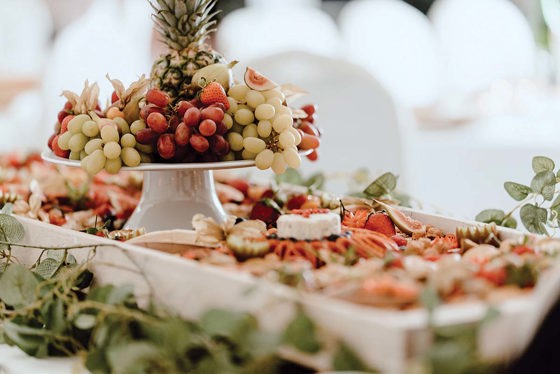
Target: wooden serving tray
384, 339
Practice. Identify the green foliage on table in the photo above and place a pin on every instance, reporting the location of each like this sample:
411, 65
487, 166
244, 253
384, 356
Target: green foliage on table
454, 348
292, 176
53, 308
539, 202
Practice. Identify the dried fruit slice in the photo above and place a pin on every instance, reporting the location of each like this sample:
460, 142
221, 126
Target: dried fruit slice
246, 247
469, 237
257, 81
405, 223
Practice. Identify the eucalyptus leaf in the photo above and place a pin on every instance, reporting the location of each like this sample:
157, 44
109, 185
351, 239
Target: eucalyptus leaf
555, 205
544, 183
11, 230
7, 209
541, 163
383, 185
133, 357
430, 298
301, 334
290, 176
48, 268
55, 316
517, 191
316, 181
510, 222
55, 254
30, 340
230, 324
534, 218
496, 216
491, 215
17, 286
345, 359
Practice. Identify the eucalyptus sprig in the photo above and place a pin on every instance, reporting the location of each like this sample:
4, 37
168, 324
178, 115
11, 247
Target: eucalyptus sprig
538, 204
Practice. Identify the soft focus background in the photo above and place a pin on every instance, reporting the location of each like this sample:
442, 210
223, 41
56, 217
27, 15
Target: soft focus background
455, 96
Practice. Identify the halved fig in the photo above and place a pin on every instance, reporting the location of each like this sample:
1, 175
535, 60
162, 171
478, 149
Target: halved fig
406, 224
257, 81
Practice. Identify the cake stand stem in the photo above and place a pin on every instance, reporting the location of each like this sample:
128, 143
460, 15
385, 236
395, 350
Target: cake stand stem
171, 198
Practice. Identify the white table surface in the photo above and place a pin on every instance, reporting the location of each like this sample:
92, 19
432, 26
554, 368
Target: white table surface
14, 361
461, 169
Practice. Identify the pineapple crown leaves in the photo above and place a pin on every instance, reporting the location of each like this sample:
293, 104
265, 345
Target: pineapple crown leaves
86, 101
184, 23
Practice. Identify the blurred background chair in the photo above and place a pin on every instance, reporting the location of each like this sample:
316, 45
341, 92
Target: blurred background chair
397, 44
112, 37
25, 31
359, 118
279, 26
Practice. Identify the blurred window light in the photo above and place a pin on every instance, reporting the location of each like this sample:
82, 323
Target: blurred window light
396, 43
483, 41
25, 32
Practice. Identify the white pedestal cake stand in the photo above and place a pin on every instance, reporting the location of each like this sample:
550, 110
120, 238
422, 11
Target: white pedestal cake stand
172, 193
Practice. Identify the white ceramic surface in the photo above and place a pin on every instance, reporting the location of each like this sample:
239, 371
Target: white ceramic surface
385, 339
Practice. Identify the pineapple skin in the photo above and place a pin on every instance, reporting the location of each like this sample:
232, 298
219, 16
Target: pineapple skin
173, 72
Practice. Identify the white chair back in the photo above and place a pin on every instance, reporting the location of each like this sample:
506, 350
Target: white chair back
397, 44
258, 31
111, 38
359, 118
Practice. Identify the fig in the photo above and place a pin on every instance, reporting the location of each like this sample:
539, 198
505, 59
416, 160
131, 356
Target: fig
405, 223
257, 81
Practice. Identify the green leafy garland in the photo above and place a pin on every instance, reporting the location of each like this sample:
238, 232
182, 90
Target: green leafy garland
539, 203
53, 308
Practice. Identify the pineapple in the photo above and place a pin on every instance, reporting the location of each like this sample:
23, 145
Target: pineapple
184, 26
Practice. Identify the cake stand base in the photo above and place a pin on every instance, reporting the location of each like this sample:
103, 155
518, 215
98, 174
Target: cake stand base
170, 198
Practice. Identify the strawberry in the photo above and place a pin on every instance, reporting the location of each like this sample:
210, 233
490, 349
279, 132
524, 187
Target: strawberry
355, 219
381, 223
522, 249
401, 242
267, 211
214, 93
296, 201
240, 185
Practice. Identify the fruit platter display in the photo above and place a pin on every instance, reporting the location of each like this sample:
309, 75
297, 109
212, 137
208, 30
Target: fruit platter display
138, 170
360, 249
188, 118
190, 109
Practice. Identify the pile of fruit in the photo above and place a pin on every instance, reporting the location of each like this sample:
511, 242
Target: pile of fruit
189, 110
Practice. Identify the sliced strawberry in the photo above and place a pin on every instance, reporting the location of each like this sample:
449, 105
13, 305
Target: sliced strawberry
401, 242
381, 223
355, 219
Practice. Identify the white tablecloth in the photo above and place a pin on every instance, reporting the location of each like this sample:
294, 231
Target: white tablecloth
461, 170
14, 361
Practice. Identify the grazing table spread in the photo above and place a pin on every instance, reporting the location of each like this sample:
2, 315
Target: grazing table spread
118, 244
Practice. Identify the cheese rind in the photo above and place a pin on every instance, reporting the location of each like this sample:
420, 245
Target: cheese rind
314, 227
